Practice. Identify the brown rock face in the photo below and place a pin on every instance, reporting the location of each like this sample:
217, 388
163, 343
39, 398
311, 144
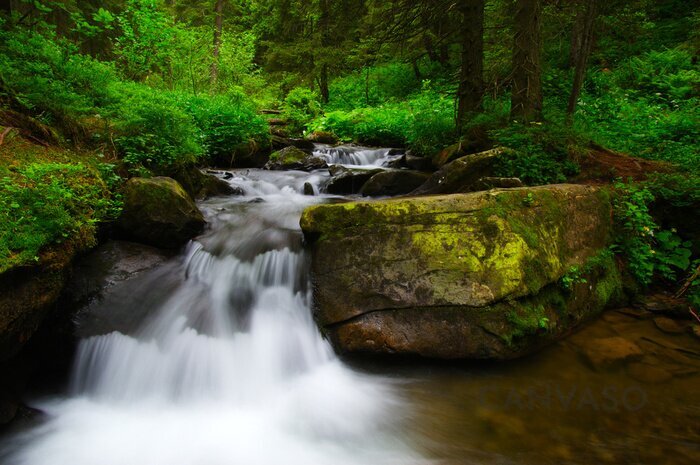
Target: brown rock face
459, 276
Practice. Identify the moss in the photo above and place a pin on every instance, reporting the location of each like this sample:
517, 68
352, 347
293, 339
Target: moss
289, 155
609, 288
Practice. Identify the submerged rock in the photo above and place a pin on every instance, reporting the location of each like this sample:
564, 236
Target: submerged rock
309, 189
388, 183
158, 212
611, 352
292, 158
459, 276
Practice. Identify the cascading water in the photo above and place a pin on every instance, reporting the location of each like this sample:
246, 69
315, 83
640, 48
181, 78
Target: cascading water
230, 368
354, 155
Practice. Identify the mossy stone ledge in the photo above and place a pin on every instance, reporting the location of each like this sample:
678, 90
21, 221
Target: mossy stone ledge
459, 276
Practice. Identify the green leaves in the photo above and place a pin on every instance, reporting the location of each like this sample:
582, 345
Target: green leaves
45, 203
649, 249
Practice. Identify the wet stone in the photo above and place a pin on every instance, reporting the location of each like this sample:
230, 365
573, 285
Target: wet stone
610, 352
650, 374
667, 325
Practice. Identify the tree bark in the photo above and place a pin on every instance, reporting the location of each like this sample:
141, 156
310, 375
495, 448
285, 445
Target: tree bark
471, 83
218, 28
585, 45
324, 24
526, 98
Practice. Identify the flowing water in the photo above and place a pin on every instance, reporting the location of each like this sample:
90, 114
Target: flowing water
217, 361
229, 367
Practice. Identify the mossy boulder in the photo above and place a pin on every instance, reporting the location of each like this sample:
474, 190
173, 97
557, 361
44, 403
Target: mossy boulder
293, 158
460, 276
461, 175
158, 212
200, 185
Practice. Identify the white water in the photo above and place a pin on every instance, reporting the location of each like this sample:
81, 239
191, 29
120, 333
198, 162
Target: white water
358, 157
231, 368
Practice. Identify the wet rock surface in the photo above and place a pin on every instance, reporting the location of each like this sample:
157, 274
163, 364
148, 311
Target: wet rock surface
345, 181
392, 183
462, 174
460, 276
292, 158
158, 212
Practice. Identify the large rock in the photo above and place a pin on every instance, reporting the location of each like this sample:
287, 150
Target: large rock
348, 180
459, 276
292, 158
200, 185
394, 182
158, 212
462, 174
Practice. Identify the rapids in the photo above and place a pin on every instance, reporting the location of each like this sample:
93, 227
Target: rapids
229, 367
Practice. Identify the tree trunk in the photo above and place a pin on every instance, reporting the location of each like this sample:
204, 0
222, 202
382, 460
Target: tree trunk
218, 27
324, 25
526, 98
323, 84
585, 45
416, 71
471, 83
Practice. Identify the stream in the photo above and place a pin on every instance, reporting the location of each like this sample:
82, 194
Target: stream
213, 358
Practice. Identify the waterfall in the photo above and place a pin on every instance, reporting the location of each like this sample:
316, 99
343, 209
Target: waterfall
354, 156
230, 368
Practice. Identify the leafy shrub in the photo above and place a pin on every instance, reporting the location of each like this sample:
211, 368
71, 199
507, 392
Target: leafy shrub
649, 250
648, 107
300, 107
425, 123
225, 121
154, 132
49, 79
541, 154
41, 204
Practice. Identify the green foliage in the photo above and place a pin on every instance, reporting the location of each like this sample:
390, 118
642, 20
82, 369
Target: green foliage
154, 132
150, 128
45, 203
425, 123
649, 250
573, 276
225, 121
300, 107
541, 153
533, 321
649, 107
376, 85
694, 289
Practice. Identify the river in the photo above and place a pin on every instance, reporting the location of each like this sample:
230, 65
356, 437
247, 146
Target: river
223, 364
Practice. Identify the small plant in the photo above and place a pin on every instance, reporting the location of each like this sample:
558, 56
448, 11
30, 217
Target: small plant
572, 277
648, 249
529, 199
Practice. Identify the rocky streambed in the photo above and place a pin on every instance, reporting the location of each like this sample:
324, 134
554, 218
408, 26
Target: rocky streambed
458, 282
